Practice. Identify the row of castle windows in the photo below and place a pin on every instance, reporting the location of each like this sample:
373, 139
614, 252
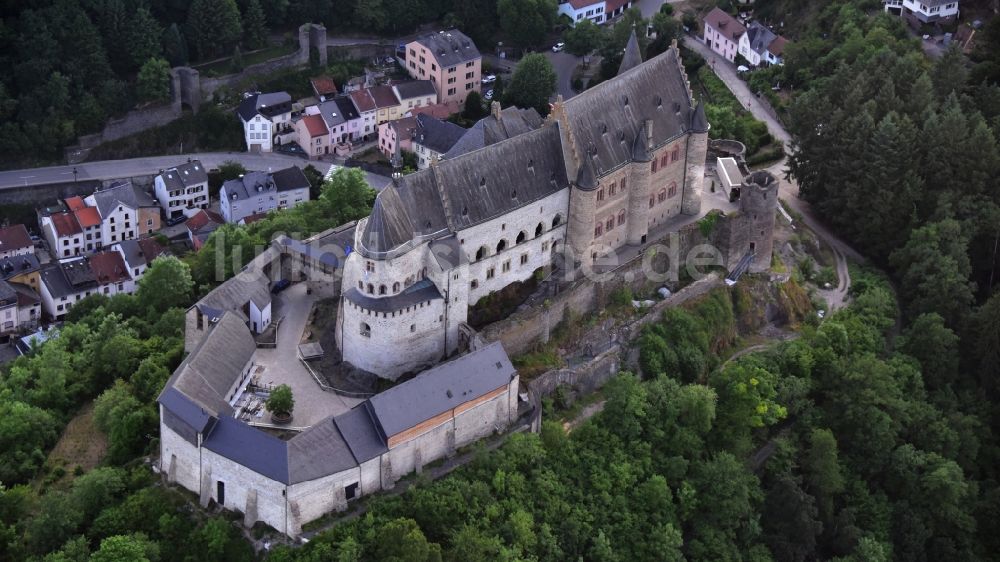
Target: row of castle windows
382, 289
366, 329
505, 266
667, 158
609, 224
612, 189
664, 194
484, 252
392, 314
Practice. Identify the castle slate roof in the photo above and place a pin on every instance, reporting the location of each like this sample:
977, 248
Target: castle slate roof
489, 130
245, 286
209, 371
632, 57
317, 452
450, 47
421, 291
186, 410
358, 428
14, 237
607, 119
184, 175
586, 178
436, 134
250, 447
699, 122
442, 388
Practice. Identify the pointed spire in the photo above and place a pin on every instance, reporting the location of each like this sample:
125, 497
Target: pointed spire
640, 146
699, 123
632, 57
586, 177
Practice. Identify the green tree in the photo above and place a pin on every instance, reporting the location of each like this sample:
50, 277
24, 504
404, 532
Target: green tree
254, 25
790, 521
127, 548
532, 84
175, 46
142, 38
165, 284
984, 339
526, 21
371, 15
153, 82
347, 196
934, 271
25, 432
935, 346
236, 63
473, 109
402, 539
281, 401
213, 26
97, 490
584, 38
125, 421
231, 170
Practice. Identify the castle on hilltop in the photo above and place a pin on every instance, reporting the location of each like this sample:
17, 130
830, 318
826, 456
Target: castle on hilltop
604, 169
607, 174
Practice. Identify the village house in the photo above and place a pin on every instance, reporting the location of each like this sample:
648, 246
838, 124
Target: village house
65, 283
182, 190
759, 45
577, 10
415, 93
449, 59
722, 34
138, 254
387, 105
15, 241
264, 116
324, 87
313, 135
498, 126
432, 138
23, 269
923, 11
260, 192
201, 226
615, 8
366, 108
62, 227
395, 133
125, 212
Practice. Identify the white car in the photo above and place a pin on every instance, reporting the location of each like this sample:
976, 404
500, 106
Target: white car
558, 47
488, 95
489, 79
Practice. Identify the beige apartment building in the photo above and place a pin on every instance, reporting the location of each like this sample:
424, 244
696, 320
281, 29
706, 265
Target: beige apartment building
450, 60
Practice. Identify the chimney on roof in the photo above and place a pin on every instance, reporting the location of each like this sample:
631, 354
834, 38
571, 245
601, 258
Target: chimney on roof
495, 110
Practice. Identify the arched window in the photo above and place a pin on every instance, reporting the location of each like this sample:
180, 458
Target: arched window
481, 253
371, 289
366, 330
673, 189
621, 217
521, 237
556, 221
361, 286
501, 246
395, 287
611, 190
538, 230
609, 224
598, 230
600, 195
423, 273
381, 289
661, 196
651, 200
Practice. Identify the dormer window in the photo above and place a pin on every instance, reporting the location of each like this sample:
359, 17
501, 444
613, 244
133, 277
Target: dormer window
625, 100
482, 181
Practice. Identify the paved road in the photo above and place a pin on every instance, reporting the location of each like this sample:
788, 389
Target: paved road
564, 65
114, 169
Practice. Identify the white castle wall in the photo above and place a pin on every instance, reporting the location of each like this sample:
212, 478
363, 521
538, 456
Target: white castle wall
398, 341
184, 456
240, 482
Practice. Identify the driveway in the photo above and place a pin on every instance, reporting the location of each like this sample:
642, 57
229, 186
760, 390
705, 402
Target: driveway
564, 65
282, 365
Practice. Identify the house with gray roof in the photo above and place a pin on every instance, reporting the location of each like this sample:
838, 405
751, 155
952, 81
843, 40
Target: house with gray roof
447, 58
759, 45
65, 283
499, 125
126, 212
415, 93
432, 138
263, 116
182, 190
261, 192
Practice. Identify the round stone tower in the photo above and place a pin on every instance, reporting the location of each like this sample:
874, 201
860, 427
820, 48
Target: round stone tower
758, 204
582, 204
697, 151
639, 178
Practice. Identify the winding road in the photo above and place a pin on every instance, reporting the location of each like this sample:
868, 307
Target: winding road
788, 188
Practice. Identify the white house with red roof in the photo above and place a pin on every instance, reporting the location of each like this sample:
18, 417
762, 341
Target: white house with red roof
578, 10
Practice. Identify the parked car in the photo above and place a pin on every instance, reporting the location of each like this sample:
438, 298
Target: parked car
558, 47
280, 285
489, 79
176, 220
488, 95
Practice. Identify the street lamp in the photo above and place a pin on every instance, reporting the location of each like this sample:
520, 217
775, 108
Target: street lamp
74, 174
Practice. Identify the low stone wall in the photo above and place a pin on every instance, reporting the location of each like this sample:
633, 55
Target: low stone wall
40, 195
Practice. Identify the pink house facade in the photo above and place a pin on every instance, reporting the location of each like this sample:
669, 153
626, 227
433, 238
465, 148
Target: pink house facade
723, 33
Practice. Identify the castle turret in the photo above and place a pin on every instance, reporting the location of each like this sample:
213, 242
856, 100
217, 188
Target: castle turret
758, 205
639, 186
582, 205
633, 55
697, 151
